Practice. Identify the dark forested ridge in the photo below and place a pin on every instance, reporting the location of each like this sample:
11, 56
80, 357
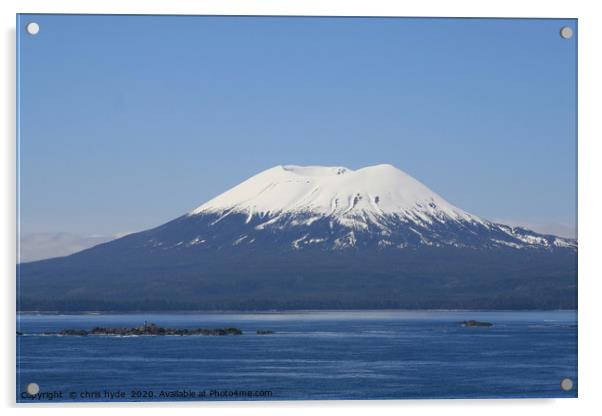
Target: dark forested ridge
415, 279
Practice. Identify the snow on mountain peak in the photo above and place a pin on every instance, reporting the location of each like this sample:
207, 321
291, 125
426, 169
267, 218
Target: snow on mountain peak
337, 191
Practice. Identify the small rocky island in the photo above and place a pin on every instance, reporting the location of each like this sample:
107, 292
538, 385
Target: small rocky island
477, 323
147, 329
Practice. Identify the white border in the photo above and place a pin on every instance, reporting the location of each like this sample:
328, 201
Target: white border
590, 137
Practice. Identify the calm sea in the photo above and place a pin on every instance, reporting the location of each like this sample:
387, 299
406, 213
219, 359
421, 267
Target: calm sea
311, 355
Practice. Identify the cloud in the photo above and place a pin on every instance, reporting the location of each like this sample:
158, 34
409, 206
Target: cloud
38, 246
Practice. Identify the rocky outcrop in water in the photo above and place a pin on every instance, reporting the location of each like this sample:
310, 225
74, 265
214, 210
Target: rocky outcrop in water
477, 323
148, 329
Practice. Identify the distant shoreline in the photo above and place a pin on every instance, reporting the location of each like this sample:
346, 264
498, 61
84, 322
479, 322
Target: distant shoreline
279, 311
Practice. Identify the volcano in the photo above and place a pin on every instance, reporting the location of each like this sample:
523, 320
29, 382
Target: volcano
313, 237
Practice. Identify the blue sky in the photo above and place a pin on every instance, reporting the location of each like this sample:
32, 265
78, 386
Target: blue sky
127, 122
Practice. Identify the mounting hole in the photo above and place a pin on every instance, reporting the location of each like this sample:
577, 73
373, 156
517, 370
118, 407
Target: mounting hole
566, 32
566, 384
32, 28
33, 388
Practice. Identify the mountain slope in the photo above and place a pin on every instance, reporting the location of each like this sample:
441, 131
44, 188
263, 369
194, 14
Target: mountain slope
314, 237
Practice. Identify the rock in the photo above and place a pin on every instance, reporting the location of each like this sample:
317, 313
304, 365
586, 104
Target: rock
153, 329
74, 332
477, 323
264, 332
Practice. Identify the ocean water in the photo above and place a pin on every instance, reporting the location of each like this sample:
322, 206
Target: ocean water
311, 356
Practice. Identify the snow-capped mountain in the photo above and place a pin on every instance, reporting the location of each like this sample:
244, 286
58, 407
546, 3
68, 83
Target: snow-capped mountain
295, 237
338, 191
336, 207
